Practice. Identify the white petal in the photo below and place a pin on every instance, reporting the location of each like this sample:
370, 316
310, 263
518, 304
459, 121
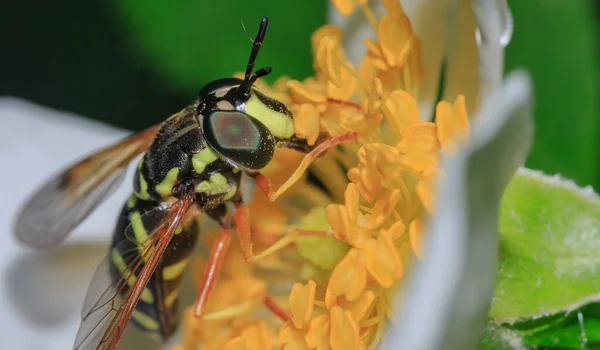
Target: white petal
356, 29
35, 142
462, 57
428, 18
448, 30
495, 25
447, 297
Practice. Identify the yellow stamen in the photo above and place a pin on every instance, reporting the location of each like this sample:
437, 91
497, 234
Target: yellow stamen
230, 312
367, 210
370, 15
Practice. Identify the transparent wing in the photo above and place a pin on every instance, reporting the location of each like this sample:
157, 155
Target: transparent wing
59, 205
106, 311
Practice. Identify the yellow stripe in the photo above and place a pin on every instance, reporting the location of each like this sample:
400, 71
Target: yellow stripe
147, 255
218, 179
126, 272
143, 194
203, 187
132, 201
279, 124
139, 231
201, 159
216, 184
231, 193
166, 186
120, 262
143, 188
172, 297
173, 271
145, 320
147, 296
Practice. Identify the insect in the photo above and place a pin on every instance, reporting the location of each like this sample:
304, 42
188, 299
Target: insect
192, 163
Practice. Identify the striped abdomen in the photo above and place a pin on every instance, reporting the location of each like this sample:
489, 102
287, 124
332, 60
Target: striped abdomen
157, 310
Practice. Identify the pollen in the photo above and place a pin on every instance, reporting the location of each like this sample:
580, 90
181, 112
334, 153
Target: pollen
383, 261
291, 338
452, 124
346, 7
363, 220
307, 122
302, 300
317, 336
349, 277
344, 330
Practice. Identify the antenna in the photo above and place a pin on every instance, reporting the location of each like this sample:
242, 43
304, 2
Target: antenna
250, 78
246, 31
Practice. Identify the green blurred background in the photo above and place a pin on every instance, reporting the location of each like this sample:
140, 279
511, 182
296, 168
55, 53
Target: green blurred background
131, 63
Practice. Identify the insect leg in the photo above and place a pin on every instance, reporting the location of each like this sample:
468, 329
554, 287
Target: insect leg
215, 261
242, 226
287, 240
275, 308
264, 184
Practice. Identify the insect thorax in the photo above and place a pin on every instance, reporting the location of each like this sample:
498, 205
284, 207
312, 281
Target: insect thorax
181, 156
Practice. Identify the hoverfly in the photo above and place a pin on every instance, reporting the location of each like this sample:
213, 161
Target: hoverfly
192, 164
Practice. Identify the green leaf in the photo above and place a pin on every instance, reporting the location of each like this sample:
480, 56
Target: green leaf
191, 42
557, 42
550, 248
573, 333
495, 337
575, 329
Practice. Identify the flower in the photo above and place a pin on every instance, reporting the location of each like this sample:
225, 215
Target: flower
335, 289
455, 284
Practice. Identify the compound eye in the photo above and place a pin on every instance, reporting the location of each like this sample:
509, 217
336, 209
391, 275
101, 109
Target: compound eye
239, 138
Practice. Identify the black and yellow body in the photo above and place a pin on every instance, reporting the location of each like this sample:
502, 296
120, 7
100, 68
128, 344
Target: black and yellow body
191, 164
157, 309
183, 156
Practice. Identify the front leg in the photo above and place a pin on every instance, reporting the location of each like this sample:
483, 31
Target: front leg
214, 264
301, 145
242, 217
220, 246
324, 142
242, 226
